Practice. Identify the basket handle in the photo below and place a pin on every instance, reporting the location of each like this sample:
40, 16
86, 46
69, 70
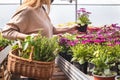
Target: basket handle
31, 53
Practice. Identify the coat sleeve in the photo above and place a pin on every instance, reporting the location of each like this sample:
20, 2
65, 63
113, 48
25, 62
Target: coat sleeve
16, 25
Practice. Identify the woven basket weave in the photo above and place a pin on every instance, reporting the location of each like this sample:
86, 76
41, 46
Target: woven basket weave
29, 68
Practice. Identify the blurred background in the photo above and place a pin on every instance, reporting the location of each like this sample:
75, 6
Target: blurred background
103, 12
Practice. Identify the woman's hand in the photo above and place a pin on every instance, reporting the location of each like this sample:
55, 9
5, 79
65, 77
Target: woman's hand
35, 35
73, 29
70, 29
75, 26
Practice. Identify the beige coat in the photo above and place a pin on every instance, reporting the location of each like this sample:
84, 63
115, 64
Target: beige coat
28, 21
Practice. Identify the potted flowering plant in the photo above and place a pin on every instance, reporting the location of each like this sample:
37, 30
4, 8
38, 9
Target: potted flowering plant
104, 59
106, 52
83, 19
82, 55
65, 42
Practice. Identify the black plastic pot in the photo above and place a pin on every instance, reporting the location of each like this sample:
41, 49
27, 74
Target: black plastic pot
81, 67
115, 68
82, 28
66, 56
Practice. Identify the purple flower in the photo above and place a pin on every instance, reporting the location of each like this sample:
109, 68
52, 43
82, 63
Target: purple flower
82, 10
117, 42
87, 41
63, 41
88, 12
83, 16
99, 41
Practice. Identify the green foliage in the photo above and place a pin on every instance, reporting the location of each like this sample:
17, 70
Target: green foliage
104, 58
83, 19
4, 42
44, 49
82, 53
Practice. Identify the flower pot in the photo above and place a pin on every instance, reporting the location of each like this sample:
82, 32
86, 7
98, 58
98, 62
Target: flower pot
97, 77
82, 28
117, 77
81, 67
115, 68
66, 56
90, 67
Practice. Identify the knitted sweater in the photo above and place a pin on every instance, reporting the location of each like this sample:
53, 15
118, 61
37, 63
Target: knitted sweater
29, 21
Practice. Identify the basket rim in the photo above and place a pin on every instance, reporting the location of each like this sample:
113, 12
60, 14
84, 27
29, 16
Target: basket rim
11, 54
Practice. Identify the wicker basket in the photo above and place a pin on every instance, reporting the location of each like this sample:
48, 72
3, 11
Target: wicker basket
29, 68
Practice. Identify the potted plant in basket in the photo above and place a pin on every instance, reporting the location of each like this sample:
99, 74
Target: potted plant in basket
34, 57
104, 58
83, 19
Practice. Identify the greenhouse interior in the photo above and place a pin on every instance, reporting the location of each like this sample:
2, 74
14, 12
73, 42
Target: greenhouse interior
60, 40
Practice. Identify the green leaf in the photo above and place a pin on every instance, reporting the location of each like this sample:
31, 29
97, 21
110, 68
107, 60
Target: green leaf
25, 46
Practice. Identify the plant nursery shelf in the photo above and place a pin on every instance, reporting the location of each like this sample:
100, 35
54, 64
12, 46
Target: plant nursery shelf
71, 71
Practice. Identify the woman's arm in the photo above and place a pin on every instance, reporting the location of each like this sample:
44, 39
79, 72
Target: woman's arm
13, 34
58, 30
11, 31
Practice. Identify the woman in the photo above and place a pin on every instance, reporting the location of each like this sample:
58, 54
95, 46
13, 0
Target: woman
30, 18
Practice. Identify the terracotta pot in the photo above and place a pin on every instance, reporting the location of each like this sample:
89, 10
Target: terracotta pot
97, 77
117, 77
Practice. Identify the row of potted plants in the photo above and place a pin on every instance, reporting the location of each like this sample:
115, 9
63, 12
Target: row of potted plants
99, 47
